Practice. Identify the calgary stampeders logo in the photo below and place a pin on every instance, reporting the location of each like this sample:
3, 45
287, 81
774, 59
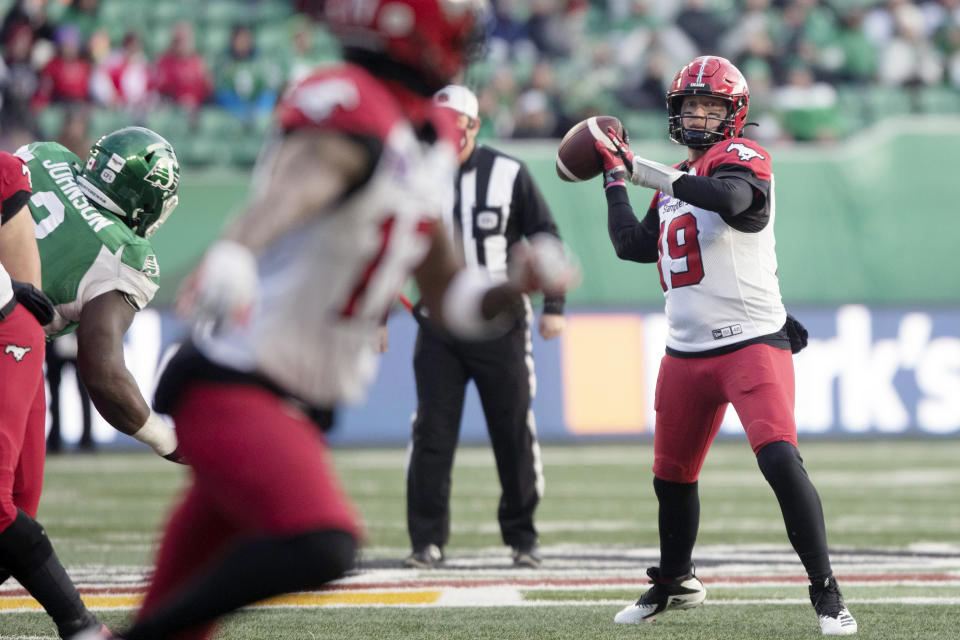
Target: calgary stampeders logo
746, 153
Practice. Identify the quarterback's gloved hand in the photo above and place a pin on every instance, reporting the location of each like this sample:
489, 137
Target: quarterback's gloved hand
617, 157
34, 301
223, 290
641, 171
543, 264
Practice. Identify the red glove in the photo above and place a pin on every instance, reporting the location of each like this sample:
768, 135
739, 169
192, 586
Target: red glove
617, 162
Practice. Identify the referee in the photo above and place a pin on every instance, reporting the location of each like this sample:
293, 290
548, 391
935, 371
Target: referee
494, 204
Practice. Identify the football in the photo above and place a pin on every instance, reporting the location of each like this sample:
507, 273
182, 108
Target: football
577, 157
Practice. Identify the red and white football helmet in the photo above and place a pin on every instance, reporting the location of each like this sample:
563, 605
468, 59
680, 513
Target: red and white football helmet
434, 38
708, 76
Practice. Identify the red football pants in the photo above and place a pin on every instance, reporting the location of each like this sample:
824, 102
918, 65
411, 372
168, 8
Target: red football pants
23, 410
692, 395
260, 467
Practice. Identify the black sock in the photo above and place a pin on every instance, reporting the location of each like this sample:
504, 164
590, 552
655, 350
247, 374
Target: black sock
26, 553
679, 520
249, 572
782, 466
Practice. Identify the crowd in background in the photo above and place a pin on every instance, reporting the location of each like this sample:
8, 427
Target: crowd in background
817, 69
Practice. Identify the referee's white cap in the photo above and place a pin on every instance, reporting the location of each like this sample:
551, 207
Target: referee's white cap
458, 98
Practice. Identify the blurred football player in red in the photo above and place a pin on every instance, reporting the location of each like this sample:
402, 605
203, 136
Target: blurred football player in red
293, 295
25, 550
709, 228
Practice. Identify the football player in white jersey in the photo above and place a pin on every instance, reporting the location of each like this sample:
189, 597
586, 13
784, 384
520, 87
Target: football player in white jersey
350, 206
709, 228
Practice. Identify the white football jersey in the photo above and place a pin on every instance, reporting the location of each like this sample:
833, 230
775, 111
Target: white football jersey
6, 287
720, 284
326, 287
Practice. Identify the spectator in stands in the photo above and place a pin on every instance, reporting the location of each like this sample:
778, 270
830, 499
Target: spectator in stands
33, 14
534, 117
246, 83
123, 79
909, 58
808, 107
181, 74
18, 81
66, 78
305, 57
83, 14
648, 91
701, 24
75, 131
859, 52
548, 28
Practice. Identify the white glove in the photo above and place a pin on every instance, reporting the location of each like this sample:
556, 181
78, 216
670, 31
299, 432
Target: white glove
223, 290
648, 173
543, 264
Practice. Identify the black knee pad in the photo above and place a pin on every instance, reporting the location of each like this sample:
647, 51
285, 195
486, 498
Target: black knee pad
24, 545
779, 461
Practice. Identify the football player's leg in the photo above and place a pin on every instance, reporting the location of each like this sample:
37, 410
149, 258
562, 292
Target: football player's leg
765, 406
264, 468
180, 558
441, 384
505, 380
689, 411
28, 480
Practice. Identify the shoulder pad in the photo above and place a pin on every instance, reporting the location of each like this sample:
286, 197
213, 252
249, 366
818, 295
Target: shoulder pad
738, 151
14, 176
343, 98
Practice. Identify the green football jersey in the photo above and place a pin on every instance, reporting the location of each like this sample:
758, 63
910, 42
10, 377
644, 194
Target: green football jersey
84, 251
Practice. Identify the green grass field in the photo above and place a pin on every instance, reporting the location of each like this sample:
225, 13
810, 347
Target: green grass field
892, 510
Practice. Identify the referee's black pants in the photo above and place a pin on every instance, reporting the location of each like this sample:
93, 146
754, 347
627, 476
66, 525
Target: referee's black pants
502, 369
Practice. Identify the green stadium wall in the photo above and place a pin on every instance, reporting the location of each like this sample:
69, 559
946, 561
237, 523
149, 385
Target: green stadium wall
874, 219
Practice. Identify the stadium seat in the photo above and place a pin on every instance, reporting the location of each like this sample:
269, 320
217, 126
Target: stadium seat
103, 121
213, 41
266, 12
226, 12
217, 123
939, 100
244, 151
273, 39
50, 120
888, 101
646, 125
169, 121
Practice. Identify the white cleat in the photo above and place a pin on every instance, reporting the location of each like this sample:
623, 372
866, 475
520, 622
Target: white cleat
832, 614
685, 592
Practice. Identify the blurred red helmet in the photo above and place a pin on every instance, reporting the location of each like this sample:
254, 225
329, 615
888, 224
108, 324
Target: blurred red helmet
434, 38
708, 76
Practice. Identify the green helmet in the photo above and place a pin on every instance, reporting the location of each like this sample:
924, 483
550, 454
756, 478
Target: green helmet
134, 174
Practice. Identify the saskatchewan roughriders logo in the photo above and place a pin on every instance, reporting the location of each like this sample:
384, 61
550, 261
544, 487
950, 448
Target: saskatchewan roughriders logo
150, 266
165, 174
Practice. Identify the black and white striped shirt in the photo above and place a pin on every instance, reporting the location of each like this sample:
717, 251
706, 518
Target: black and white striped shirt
496, 204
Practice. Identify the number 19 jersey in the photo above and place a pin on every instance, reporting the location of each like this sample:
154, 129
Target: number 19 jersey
84, 251
720, 283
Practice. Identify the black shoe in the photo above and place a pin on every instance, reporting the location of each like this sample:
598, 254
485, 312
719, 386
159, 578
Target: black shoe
832, 614
684, 592
527, 556
429, 557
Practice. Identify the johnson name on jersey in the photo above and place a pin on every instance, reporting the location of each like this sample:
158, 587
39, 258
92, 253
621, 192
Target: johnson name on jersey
326, 286
85, 251
720, 282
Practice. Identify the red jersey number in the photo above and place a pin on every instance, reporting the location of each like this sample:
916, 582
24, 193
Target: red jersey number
682, 241
359, 290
